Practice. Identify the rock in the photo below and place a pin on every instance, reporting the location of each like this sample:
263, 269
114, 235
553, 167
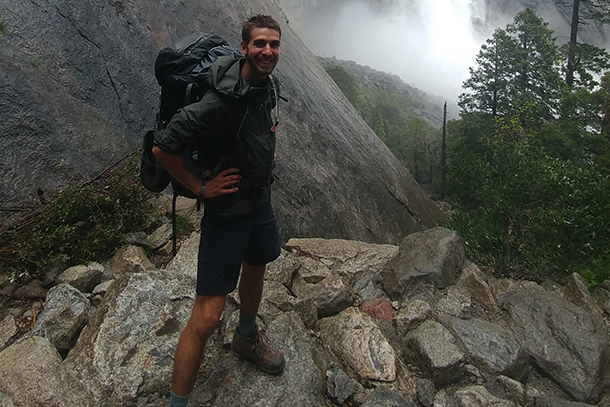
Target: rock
301, 384
414, 312
277, 299
576, 292
478, 396
82, 277
348, 258
130, 259
185, 261
369, 286
443, 399
383, 397
101, 289
65, 314
427, 261
339, 385
187, 208
330, 295
554, 402
425, 392
33, 290
282, 269
378, 308
568, 343
455, 302
8, 329
160, 237
6, 401
312, 270
474, 283
490, 346
509, 389
31, 374
602, 297
127, 348
434, 350
359, 344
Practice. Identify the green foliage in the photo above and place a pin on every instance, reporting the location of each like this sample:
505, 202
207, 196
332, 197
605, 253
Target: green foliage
183, 225
530, 157
520, 208
516, 66
35, 62
347, 83
3, 27
412, 140
597, 271
80, 224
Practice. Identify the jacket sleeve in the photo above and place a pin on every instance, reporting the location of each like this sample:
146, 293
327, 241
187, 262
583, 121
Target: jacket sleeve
193, 124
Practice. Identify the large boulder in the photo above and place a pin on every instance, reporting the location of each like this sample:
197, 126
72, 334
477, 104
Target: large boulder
127, 349
427, 261
357, 341
65, 314
491, 346
568, 343
32, 375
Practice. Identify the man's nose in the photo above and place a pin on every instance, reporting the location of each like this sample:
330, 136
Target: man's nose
267, 49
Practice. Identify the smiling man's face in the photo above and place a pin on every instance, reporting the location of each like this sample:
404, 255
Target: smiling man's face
262, 53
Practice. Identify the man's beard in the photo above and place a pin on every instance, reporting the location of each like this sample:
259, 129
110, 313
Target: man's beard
257, 68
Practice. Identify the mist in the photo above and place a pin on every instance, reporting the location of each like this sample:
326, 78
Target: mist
428, 44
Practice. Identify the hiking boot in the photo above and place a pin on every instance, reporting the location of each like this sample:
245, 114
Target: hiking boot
257, 350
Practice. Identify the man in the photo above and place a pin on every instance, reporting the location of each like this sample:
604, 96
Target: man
238, 228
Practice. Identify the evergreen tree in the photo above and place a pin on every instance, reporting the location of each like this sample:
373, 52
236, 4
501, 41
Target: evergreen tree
516, 66
490, 78
537, 69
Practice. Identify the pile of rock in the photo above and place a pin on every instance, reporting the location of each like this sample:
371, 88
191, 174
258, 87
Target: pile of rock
359, 324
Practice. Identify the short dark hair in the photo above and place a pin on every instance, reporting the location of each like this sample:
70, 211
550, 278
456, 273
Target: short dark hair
258, 21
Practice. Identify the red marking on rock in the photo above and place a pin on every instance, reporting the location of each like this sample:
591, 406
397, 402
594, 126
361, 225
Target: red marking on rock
379, 308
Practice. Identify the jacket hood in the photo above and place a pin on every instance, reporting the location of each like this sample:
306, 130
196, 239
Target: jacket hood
225, 77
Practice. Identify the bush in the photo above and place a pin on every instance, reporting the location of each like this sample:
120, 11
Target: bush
522, 210
79, 224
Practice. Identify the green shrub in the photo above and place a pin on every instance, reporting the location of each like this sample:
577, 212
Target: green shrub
79, 224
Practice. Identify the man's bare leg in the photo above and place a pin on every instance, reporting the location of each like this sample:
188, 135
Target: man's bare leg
189, 353
250, 288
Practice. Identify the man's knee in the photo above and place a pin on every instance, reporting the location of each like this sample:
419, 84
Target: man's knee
204, 326
206, 315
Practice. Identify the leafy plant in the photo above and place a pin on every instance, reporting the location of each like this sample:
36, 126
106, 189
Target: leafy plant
79, 224
2, 27
35, 62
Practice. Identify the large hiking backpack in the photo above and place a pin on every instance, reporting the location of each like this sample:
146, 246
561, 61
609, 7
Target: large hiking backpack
181, 71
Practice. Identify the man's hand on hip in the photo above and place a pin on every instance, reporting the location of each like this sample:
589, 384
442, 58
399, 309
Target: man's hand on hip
226, 182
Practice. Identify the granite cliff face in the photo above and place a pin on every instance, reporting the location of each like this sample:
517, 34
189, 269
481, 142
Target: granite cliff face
77, 91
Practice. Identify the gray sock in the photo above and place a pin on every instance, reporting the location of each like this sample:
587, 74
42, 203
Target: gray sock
247, 324
178, 401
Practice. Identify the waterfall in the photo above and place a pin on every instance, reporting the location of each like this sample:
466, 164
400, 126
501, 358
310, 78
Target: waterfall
429, 44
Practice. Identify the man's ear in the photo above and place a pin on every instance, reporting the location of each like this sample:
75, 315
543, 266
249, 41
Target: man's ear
244, 47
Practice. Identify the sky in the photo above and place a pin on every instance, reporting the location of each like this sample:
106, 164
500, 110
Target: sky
429, 44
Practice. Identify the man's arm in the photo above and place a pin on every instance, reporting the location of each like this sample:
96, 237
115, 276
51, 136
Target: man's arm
221, 184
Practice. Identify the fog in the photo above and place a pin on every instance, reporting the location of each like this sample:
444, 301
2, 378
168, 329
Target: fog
429, 44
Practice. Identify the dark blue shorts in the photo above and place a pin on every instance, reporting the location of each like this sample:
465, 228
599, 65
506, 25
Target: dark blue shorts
226, 241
